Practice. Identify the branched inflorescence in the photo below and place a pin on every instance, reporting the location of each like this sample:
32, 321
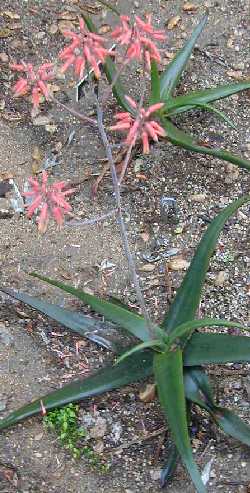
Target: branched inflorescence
87, 50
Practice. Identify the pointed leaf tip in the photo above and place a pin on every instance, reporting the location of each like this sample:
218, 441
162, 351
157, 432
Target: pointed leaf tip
186, 102
184, 306
173, 72
133, 323
168, 371
137, 367
187, 141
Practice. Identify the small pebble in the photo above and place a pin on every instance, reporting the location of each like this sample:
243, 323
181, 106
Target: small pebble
155, 474
99, 447
178, 264
221, 278
100, 428
198, 197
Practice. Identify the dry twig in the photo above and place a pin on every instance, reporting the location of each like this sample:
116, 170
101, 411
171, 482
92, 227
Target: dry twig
124, 235
77, 114
94, 220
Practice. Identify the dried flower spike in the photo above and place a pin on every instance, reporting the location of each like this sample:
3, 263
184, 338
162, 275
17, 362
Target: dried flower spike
49, 199
141, 126
86, 48
35, 81
140, 38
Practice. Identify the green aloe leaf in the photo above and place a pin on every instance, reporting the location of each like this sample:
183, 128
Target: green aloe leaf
141, 366
174, 70
156, 344
198, 390
75, 321
111, 71
232, 425
187, 299
201, 349
155, 83
131, 370
179, 104
169, 469
206, 349
168, 371
222, 116
182, 331
126, 319
173, 456
187, 141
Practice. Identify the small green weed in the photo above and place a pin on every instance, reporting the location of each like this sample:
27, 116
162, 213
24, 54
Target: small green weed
64, 422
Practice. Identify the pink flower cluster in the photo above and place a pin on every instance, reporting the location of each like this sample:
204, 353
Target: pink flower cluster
35, 81
49, 199
140, 39
86, 48
141, 126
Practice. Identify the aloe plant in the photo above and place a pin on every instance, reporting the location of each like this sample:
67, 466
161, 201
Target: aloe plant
174, 356
163, 88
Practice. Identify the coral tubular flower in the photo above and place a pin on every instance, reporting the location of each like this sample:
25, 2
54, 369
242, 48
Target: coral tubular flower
141, 126
140, 38
86, 48
123, 33
35, 81
49, 199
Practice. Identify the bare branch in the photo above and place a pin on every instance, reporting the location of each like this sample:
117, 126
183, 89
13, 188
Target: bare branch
124, 235
94, 220
77, 114
125, 163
